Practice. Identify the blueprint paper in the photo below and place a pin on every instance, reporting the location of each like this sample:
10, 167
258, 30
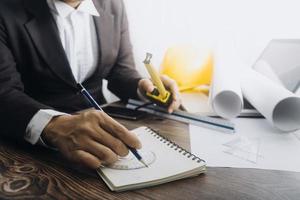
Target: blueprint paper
277, 104
262, 147
261, 86
264, 68
225, 96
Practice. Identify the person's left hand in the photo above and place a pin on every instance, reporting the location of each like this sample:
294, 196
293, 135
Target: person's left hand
146, 85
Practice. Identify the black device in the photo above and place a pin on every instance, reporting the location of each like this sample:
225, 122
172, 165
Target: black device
123, 113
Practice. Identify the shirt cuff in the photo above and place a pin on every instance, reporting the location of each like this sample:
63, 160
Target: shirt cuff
37, 124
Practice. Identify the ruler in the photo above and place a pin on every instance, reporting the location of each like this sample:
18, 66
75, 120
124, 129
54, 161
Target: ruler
181, 116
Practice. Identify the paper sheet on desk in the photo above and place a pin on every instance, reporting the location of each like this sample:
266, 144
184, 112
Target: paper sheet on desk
254, 145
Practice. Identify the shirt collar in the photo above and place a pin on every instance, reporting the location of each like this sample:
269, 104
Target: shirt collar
64, 10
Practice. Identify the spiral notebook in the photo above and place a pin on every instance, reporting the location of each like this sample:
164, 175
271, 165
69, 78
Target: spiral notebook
166, 162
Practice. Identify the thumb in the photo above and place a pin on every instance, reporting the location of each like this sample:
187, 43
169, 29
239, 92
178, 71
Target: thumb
146, 85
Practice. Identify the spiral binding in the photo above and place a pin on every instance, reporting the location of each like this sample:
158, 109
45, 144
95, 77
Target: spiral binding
174, 146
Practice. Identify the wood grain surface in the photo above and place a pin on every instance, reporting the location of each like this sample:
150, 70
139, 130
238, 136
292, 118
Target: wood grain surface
28, 172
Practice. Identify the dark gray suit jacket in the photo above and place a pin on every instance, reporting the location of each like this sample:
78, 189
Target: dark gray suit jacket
34, 70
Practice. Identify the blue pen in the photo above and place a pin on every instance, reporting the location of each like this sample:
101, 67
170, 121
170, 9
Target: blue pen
92, 101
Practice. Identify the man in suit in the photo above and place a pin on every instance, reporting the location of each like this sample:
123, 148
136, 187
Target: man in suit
46, 48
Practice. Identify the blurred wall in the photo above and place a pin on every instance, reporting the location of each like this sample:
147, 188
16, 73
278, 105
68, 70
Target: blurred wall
156, 25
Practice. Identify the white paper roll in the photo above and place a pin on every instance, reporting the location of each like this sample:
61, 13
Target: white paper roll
280, 106
226, 97
298, 92
264, 68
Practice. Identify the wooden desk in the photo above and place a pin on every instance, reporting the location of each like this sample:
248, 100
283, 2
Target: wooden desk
28, 172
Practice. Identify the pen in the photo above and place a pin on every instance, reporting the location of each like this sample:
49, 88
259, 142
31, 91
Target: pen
92, 101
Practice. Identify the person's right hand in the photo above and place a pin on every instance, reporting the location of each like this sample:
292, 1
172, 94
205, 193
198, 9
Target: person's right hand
91, 138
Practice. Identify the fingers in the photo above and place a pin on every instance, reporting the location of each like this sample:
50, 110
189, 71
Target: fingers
110, 141
85, 159
92, 154
146, 85
92, 138
119, 131
172, 86
103, 153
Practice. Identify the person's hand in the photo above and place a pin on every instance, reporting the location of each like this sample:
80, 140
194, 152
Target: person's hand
91, 138
146, 85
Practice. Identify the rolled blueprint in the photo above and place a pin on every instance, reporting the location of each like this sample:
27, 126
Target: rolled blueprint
277, 104
225, 95
265, 69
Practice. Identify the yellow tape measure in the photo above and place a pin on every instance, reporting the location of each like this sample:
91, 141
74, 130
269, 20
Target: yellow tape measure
159, 95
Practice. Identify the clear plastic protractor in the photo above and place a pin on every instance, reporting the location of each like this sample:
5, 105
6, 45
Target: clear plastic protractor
130, 162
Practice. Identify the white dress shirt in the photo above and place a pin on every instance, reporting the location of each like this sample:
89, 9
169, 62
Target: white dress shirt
79, 39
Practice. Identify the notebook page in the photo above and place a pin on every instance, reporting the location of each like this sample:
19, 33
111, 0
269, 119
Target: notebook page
168, 163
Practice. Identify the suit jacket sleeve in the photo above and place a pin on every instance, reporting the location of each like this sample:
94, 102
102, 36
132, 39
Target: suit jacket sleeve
123, 78
16, 108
